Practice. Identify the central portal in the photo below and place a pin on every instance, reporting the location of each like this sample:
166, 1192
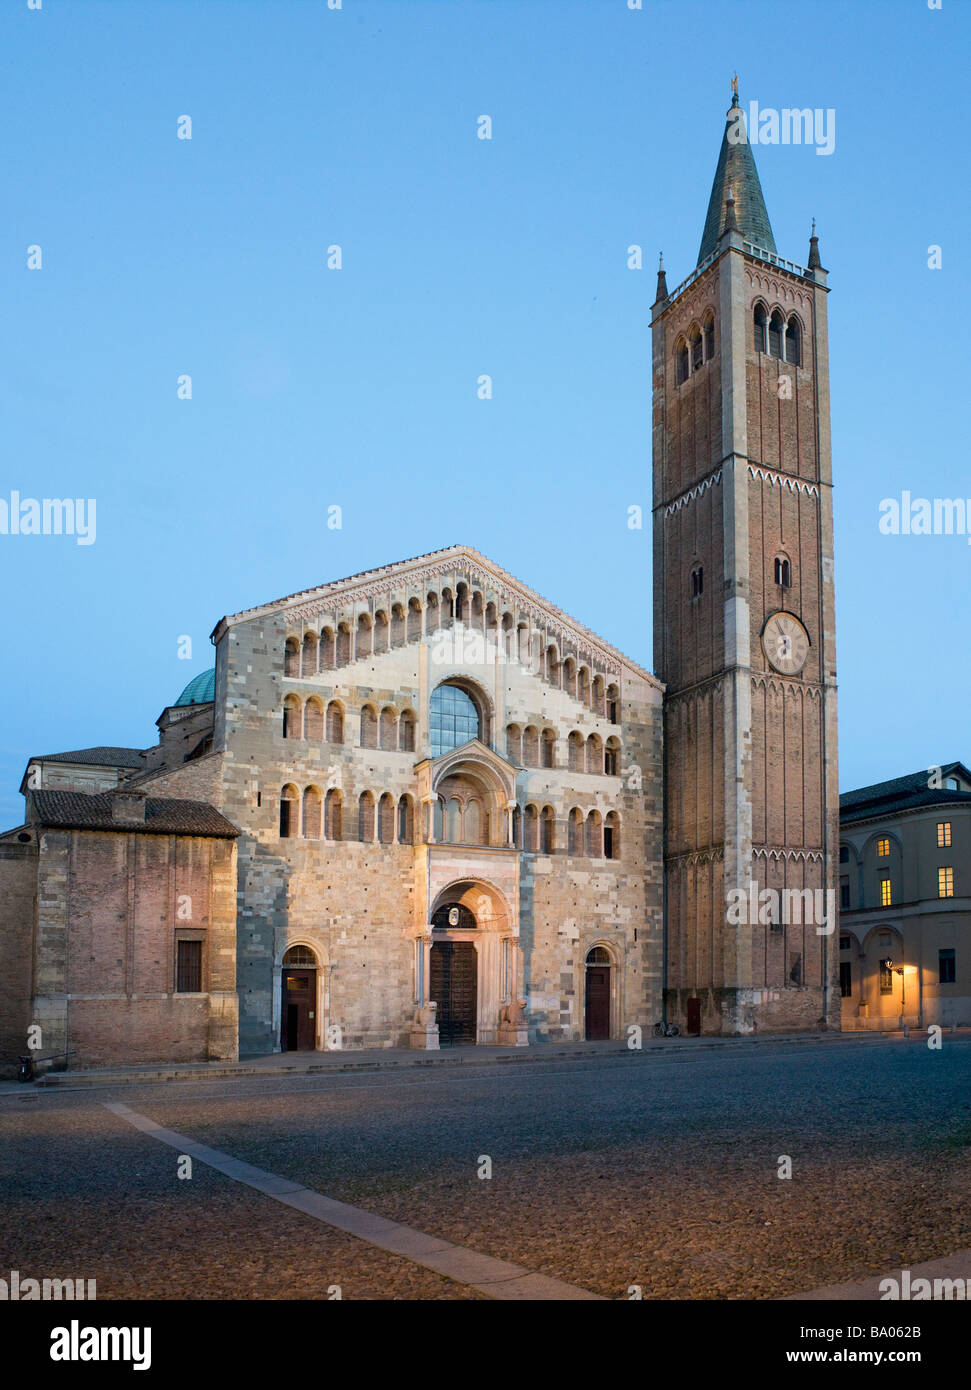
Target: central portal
453, 971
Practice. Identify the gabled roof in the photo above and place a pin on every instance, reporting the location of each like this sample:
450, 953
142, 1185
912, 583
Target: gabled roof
903, 793
163, 816
96, 757
309, 603
736, 171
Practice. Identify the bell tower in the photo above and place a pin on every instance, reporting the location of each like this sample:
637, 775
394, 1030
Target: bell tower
743, 622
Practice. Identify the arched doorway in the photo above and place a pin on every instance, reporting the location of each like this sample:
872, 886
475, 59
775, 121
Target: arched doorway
453, 976
298, 1025
596, 1002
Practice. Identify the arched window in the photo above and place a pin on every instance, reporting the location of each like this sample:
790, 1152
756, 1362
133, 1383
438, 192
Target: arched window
794, 342
414, 620
531, 838
598, 955
298, 957
583, 686
681, 360
570, 676
612, 836
289, 802
431, 614
406, 821
308, 660
453, 821
291, 717
598, 695
462, 603
380, 631
575, 746
313, 720
761, 329
776, 330
507, 631
612, 758
477, 609
364, 635
697, 350
709, 337
783, 572
595, 844
335, 723
291, 657
514, 743
327, 649
397, 626
547, 830
454, 719
491, 621
334, 815
613, 704
389, 728
552, 666
447, 608
595, 754
517, 828
311, 813
549, 748
386, 819
365, 818
576, 832
343, 644
697, 581
369, 728
406, 731
531, 746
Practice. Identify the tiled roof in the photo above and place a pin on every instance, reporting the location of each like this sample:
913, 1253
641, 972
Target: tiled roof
163, 816
96, 757
903, 793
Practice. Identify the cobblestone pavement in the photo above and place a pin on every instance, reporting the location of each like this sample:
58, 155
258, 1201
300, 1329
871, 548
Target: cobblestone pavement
649, 1170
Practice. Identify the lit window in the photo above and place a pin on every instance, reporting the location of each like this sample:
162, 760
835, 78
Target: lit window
886, 897
945, 883
945, 967
883, 848
943, 834
453, 717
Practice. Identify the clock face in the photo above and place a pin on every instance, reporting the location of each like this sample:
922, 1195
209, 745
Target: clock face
786, 643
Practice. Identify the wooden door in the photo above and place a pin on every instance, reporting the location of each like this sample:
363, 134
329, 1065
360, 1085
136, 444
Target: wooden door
597, 1003
693, 1020
299, 1028
453, 986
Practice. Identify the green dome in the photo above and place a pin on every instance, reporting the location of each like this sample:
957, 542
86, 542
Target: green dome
201, 690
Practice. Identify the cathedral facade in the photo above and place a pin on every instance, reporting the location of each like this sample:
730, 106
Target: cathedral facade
454, 814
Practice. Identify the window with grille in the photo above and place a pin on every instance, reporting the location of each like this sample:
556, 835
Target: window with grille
886, 977
946, 967
453, 719
883, 849
944, 834
188, 967
945, 883
886, 893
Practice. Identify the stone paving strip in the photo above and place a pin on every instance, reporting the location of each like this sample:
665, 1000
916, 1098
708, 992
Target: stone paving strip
955, 1269
497, 1279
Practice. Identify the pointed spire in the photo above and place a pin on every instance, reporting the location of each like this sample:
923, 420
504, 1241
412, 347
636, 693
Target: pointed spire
814, 262
662, 283
736, 174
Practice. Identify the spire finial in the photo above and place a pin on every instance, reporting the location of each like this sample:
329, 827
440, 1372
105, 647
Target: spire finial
735, 89
814, 262
662, 282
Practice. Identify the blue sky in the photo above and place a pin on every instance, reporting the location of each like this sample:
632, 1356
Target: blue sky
314, 387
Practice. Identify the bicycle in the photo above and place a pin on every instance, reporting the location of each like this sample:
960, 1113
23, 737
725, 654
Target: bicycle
667, 1030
